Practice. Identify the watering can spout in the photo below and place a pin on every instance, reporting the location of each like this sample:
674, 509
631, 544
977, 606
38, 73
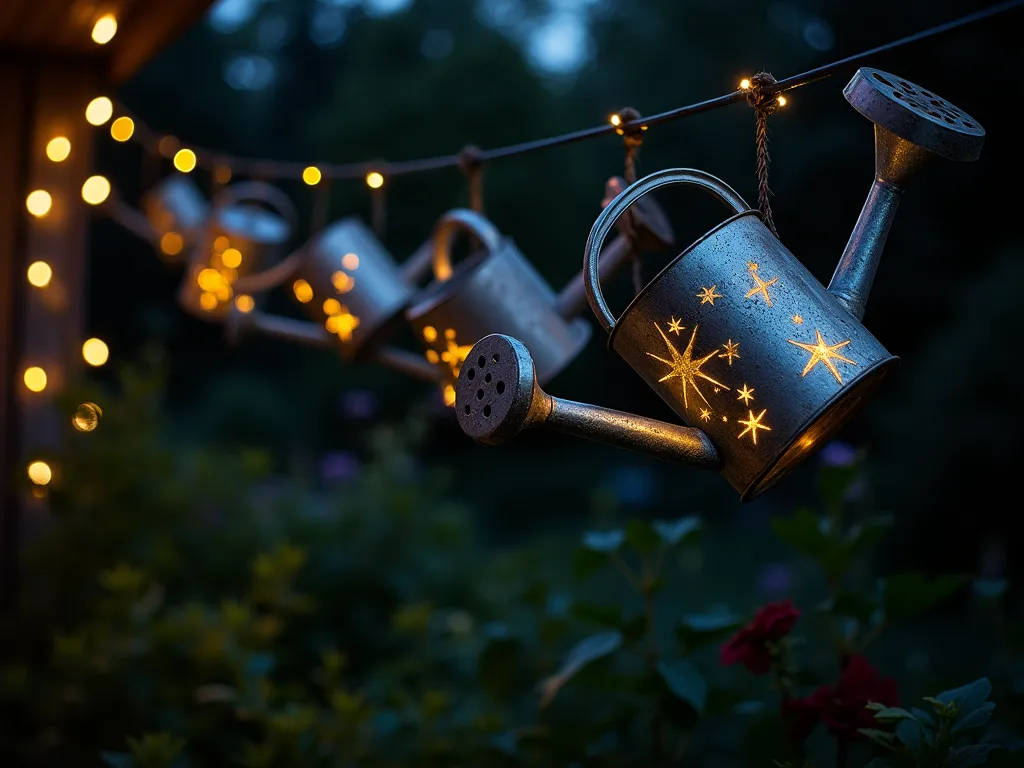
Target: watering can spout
497, 397
912, 126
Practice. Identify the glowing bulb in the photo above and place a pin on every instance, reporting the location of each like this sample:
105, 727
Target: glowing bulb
86, 417
95, 190
209, 279
449, 395
332, 306
171, 243
185, 160
58, 149
303, 291
104, 29
312, 175
244, 303
374, 180
615, 120
231, 258
39, 203
350, 261
208, 301
39, 274
99, 110
95, 352
122, 129
782, 100
35, 378
745, 83
39, 473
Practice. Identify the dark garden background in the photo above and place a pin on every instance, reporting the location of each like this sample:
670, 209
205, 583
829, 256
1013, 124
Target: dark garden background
283, 560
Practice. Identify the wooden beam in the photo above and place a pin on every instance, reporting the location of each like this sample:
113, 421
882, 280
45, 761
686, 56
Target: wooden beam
148, 28
43, 326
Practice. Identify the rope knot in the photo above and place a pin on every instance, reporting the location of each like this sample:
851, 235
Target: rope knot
632, 135
471, 159
768, 103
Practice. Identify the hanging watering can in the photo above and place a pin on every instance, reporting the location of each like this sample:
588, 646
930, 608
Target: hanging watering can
237, 240
760, 361
175, 208
496, 290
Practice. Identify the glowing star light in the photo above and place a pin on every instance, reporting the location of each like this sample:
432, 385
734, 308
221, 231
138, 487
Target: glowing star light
760, 286
675, 326
685, 368
705, 414
823, 353
745, 394
454, 355
730, 352
753, 423
798, 320
708, 295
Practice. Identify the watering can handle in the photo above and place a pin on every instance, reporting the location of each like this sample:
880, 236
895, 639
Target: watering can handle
607, 218
445, 230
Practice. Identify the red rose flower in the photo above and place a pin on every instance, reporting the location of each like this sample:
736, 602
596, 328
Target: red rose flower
749, 646
842, 707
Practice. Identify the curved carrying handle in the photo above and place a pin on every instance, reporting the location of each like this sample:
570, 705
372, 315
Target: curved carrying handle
460, 219
607, 218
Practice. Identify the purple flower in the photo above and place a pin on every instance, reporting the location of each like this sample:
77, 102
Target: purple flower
838, 454
340, 467
358, 404
775, 579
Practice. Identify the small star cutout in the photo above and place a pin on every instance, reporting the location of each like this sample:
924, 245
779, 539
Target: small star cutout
708, 295
675, 326
730, 348
753, 423
798, 320
725, 418
823, 353
717, 390
760, 286
752, 266
705, 414
746, 395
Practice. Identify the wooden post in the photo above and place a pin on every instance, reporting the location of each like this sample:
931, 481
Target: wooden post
39, 326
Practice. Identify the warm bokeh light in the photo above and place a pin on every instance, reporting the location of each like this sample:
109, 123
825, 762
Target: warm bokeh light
350, 261
95, 190
39, 274
221, 242
104, 29
39, 473
209, 279
58, 148
782, 100
35, 378
615, 120
171, 243
312, 175
122, 129
99, 110
185, 160
208, 301
745, 83
167, 146
449, 395
95, 352
86, 417
39, 202
231, 258
303, 291
332, 306
244, 303
374, 180
222, 175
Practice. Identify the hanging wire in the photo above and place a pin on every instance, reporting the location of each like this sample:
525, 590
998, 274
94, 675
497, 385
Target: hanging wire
276, 169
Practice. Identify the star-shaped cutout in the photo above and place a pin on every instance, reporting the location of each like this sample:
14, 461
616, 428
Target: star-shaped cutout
753, 423
708, 295
823, 353
454, 354
725, 418
705, 414
730, 348
684, 367
675, 326
746, 395
798, 320
760, 286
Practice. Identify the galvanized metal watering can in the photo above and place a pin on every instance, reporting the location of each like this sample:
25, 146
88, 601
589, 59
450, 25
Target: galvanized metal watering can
759, 361
239, 237
496, 290
175, 207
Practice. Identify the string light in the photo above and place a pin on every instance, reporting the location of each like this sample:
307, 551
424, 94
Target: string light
39, 274
99, 110
58, 149
39, 472
122, 129
244, 303
104, 29
39, 203
35, 378
95, 190
781, 100
231, 258
303, 291
374, 180
95, 352
312, 175
185, 160
745, 84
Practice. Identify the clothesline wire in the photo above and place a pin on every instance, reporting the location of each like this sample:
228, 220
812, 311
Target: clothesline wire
277, 169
